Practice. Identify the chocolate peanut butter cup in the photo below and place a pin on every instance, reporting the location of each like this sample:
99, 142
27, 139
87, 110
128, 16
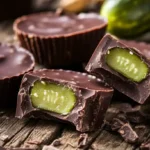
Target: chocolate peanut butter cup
67, 96
60, 40
14, 62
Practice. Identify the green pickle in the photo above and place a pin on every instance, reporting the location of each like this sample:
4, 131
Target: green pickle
127, 18
52, 97
127, 63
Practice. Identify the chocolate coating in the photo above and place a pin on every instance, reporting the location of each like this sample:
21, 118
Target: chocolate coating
139, 92
14, 62
60, 41
141, 46
93, 98
128, 134
49, 24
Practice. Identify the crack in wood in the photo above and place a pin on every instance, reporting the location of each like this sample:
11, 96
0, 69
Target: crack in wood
43, 133
21, 136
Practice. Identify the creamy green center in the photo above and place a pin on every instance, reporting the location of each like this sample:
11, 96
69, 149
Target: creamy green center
52, 97
127, 63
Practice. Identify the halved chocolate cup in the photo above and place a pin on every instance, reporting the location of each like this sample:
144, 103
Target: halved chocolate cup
87, 98
124, 65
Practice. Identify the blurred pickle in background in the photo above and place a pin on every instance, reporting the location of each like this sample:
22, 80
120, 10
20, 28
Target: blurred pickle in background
74, 6
127, 18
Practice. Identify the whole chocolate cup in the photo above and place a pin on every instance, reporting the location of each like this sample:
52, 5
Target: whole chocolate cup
92, 98
14, 62
66, 49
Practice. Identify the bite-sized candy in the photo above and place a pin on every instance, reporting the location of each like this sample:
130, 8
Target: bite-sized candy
58, 41
14, 63
126, 63
68, 96
123, 66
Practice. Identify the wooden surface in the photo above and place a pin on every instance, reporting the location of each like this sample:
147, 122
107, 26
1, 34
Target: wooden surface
41, 134
35, 134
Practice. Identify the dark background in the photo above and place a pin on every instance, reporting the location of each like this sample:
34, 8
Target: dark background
10, 9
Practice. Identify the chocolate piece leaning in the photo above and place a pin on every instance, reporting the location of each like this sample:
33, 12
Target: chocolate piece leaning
67, 96
14, 62
60, 40
124, 67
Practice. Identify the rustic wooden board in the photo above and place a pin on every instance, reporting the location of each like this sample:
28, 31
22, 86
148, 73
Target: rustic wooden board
36, 134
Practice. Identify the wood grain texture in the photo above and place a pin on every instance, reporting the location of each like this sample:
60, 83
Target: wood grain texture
72, 140
111, 142
43, 133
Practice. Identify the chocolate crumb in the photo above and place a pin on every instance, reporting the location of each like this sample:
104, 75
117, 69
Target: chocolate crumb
145, 146
82, 140
56, 143
118, 122
128, 134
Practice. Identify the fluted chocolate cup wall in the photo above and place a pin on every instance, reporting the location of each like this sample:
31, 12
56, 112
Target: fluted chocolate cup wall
57, 41
14, 63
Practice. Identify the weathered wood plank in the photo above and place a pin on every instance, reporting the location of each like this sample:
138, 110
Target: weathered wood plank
43, 133
72, 140
21, 136
143, 132
68, 140
7, 120
111, 142
3, 115
9, 128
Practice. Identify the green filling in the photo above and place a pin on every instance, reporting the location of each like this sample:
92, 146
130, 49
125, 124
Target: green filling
126, 63
52, 97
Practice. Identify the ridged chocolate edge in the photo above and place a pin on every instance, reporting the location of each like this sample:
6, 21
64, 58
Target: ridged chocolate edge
95, 109
9, 88
62, 51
